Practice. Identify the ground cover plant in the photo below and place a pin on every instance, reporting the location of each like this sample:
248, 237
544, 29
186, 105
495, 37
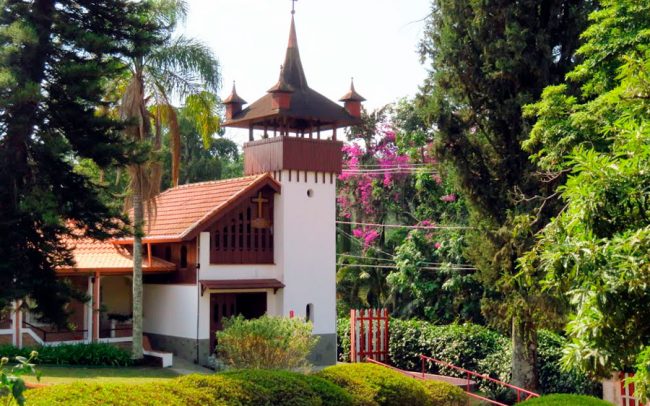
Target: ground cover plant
69, 374
93, 354
265, 342
565, 400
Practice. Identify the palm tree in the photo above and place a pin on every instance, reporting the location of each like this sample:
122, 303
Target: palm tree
180, 68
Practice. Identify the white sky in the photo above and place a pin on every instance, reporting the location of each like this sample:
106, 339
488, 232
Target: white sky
374, 41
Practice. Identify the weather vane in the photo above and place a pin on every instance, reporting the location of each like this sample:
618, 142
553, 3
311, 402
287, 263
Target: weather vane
293, 6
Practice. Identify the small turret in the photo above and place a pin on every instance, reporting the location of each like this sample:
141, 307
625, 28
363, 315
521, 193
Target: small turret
281, 93
233, 103
352, 101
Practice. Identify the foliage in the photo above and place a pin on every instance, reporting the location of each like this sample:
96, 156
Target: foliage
444, 394
390, 177
12, 386
386, 386
82, 394
475, 348
236, 392
265, 343
93, 354
218, 160
594, 128
486, 60
565, 400
291, 388
56, 58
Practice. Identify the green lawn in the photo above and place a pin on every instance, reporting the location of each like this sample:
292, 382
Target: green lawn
54, 374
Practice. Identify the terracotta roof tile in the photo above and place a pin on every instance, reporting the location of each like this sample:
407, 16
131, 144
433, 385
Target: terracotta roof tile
179, 210
92, 255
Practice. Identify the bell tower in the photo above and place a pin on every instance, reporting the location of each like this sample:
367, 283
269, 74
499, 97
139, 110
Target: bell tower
293, 134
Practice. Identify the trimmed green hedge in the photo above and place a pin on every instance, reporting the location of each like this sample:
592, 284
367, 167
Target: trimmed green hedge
82, 394
476, 348
372, 385
344, 385
93, 354
565, 400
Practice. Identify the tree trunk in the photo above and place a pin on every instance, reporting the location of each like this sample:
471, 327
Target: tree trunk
524, 355
138, 219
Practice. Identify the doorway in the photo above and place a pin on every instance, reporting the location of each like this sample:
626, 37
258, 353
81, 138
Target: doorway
250, 305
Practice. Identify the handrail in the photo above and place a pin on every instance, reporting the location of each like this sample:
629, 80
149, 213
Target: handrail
476, 374
44, 332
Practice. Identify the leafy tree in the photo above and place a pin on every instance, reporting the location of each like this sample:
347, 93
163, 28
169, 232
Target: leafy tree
390, 177
596, 127
488, 59
179, 67
55, 60
220, 160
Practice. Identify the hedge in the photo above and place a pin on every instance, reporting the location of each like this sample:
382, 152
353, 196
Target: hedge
376, 385
565, 400
93, 354
476, 348
82, 394
345, 385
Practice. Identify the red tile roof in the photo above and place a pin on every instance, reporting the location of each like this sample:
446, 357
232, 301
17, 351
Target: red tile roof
180, 211
92, 255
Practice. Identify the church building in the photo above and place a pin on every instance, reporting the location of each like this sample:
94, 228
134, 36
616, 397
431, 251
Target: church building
264, 243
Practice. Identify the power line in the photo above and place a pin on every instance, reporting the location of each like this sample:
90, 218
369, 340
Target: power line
422, 262
429, 268
432, 227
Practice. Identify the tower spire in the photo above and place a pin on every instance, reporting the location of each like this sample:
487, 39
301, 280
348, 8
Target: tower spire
293, 6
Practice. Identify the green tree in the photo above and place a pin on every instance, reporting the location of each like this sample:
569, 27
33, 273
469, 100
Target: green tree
180, 67
487, 59
55, 60
596, 127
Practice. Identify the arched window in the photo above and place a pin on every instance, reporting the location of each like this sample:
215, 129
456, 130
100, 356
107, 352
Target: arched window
309, 312
183, 256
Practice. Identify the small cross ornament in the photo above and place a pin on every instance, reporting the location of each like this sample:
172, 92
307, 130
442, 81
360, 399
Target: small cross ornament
293, 6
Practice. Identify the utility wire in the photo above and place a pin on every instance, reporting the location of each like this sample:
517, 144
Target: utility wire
433, 227
421, 262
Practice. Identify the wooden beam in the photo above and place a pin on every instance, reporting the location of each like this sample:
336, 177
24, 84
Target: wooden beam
149, 255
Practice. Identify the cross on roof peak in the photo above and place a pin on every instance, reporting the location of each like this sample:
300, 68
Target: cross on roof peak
293, 6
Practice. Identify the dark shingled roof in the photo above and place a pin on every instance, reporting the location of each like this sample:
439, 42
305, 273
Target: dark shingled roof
234, 97
352, 95
308, 107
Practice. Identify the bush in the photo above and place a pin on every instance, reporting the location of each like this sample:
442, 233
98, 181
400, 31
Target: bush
265, 343
478, 349
445, 394
565, 400
285, 388
376, 385
231, 391
82, 394
94, 354
330, 394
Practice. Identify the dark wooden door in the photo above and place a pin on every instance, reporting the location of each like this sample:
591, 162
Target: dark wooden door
223, 305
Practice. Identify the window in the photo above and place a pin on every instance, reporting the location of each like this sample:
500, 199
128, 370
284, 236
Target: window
184, 256
309, 312
310, 193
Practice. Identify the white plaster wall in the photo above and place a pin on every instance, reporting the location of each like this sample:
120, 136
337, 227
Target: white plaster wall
171, 310
306, 247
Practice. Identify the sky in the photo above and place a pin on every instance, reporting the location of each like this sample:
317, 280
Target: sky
374, 41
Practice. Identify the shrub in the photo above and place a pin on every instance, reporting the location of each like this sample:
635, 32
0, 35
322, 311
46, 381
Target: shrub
120, 395
232, 391
445, 394
565, 400
265, 343
93, 354
330, 394
285, 388
386, 387
478, 349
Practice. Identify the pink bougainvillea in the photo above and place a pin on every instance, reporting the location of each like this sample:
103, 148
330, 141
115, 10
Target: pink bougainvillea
449, 198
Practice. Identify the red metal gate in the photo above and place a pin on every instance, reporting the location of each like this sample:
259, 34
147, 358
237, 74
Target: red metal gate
369, 334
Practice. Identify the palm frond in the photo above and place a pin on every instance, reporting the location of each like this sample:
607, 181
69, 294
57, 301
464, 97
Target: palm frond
169, 13
184, 66
203, 109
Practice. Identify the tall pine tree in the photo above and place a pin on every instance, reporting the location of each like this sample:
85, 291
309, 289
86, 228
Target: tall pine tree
55, 58
488, 59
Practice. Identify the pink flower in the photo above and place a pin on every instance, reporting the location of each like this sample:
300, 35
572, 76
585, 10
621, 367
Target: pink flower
437, 245
449, 198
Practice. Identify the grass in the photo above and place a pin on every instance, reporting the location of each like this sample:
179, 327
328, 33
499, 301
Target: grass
54, 375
